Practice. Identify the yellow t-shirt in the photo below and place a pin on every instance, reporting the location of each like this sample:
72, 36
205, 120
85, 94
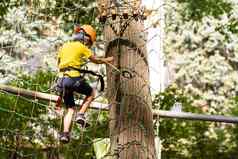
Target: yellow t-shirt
72, 54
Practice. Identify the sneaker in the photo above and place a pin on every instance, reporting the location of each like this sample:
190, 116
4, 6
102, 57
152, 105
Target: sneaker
64, 137
80, 119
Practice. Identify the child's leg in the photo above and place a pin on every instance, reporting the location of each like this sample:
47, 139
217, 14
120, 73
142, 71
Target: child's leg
84, 88
69, 102
68, 119
87, 101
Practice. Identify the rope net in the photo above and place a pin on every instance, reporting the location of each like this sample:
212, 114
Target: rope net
29, 128
33, 31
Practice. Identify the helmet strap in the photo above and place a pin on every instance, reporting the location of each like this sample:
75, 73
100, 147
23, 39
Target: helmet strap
80, 36
83, 38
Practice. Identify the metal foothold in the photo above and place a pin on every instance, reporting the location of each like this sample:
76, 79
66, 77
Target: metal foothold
102, 19
143, 17
125, 15
114, 16
127, 74
135, 14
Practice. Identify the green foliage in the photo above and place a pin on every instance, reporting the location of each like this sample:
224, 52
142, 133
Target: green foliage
201, 45
192, 139
5, 5
196, 10
20, 116
165, 100
71, 11
40, 81
204, 57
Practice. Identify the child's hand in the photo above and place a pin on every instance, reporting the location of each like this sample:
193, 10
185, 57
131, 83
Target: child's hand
109, 59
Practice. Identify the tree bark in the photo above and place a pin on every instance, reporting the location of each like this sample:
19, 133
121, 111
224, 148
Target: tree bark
131, 122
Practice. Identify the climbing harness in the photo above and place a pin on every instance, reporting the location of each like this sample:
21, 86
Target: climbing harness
100, 77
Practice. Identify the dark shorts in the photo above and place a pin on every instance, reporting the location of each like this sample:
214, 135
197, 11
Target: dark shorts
67, 85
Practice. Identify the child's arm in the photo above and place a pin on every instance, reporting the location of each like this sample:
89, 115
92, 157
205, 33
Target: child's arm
100, 60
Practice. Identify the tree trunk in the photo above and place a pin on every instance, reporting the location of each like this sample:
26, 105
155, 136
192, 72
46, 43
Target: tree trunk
131, 123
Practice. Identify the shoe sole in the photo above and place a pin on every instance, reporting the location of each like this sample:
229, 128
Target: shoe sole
64, 141
82, 123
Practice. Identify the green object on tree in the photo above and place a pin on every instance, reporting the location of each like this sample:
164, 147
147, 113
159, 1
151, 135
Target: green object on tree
101, 147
